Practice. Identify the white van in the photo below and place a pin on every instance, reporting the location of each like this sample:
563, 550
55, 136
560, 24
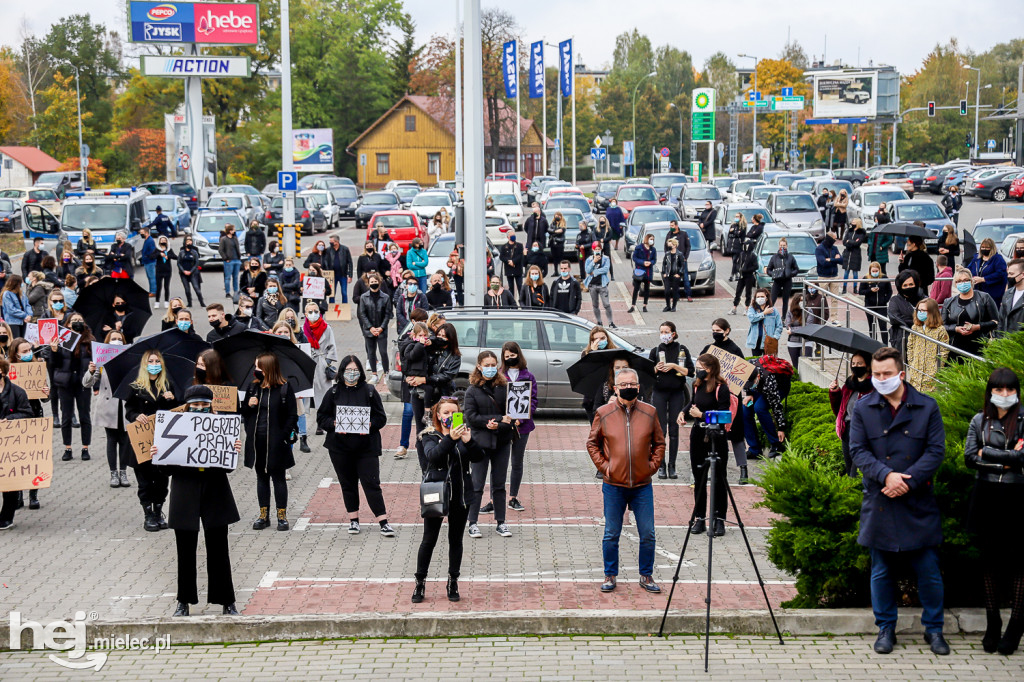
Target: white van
102, 212
504, 187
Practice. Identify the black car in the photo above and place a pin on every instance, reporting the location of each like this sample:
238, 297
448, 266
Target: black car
994, 187
312, 218
855, 176
917, 176
606, 192
10, 215
935, 176
347, 197
182, 189
373, 202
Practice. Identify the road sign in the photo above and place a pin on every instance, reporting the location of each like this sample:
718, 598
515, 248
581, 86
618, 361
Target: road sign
287, 181
606, 140
597, 141
196, 65
787, 103
787, 92
754, 95
186, 162
84, 150
721, 148
665, 165
598, 153
362, 161
696, 168
757, 105
859, 147
558, 143
991, 144
757, 149
664, 152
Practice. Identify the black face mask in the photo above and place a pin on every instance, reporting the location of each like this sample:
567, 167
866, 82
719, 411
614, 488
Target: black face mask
984, 252
719, 337
436, 287
77, 326
175, 309
512, 361
4, 338
1018, 253
629, 394
858, 371
910, 294
119, 307
258, 374
201, 374
439, 342
701, 374
374, 286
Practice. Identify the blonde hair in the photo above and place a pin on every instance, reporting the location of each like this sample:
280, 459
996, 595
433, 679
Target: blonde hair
961, 271
742, 222
145, 381
934, 318
672, 242
170, 315
281, 324
874, 264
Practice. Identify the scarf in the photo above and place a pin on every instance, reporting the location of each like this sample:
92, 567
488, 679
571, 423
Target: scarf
396, 268
313, 331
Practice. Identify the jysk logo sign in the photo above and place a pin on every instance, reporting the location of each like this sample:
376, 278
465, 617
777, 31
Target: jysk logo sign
155, 33
201, 22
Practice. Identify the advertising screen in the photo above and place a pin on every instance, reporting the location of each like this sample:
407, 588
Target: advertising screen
845, 94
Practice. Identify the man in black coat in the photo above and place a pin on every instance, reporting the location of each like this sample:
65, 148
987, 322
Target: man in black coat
707, 222
1011, 311
338, 259
565, 294
374, 314
536, 227
513, 257
255, 240
33, 260
222, 325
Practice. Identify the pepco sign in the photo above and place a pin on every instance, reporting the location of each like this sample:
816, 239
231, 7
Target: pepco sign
216, 23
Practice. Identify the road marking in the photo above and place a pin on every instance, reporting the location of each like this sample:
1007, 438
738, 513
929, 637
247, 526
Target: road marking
268, 579
325, 482
316, 525
323, 581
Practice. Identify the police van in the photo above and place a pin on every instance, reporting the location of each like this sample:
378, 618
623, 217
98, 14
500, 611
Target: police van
103, 212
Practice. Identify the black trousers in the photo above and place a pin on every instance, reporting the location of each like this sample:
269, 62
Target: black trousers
669, 404
745, 283
118, 446
10, 503
163, 279
699, 451
196, 284
495, 459
457, 515
782, 288
518, 459
637, 284
671, 291
69, 397
375, 345
152, 483
557, 254
280, 488
353, 470
515, 284
883, 328
218, 565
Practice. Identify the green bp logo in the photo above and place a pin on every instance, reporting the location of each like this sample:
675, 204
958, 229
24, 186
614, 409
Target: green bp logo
703, 100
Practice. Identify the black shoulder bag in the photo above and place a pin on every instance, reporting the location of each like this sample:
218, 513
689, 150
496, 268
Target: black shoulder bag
436, 491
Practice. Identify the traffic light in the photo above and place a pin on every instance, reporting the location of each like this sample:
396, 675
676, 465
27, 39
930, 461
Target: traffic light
854, 138
963, 107
931, 108
970, 141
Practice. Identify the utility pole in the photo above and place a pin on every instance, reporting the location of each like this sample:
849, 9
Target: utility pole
81, 154
573, 90
977, 102
287, 161
476, 244
459, 169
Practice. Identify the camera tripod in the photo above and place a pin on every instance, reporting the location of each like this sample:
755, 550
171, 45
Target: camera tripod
710, 466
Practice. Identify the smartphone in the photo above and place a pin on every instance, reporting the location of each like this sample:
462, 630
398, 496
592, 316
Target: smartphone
456, 420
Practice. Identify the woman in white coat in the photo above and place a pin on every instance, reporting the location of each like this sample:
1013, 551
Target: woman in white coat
320, 338
108, 414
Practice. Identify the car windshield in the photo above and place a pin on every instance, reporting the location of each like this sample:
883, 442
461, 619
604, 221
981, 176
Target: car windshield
697, 242
802, 186
627, 193
48, 178
243, 189
743, 185
663, 181
95, 216
996, 231
406, 193
701, 193
572, 218
724, 183
331, 183
652, 215
163, 202
393, 221
441, 246
796, 244
343, 194
895, 175
924, 211
876, 198
609, 186
504, 200
8, 205
380, 199
217, 223
230, 202
567, 202
762, 192
835, 186
318, 200
182, 188
42, 195
432, 200
794, 203
300, 202
493, 222
748, 214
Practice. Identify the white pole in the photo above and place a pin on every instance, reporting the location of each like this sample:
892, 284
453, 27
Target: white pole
476, 244
287, 162
544, 109
519, 132
81, 156
459, 161
572, 46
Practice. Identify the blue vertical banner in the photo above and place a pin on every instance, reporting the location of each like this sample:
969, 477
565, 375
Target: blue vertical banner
537, 69
510, 65
565, 73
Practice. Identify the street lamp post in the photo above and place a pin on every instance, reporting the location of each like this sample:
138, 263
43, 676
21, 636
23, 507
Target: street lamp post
652, 73
757, 161
977, 101
673, 105
78, 103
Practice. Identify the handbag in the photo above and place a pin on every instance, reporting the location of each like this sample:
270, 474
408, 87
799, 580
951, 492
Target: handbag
330, 372
771, 346
435, 495
639, 273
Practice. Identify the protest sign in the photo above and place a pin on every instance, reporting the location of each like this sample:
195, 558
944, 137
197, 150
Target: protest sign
352, 419
69, 339
225, 398
329, 280
197, 439
31, 376
47, 331
26, 454
32, 333
339, 312
141, 437
517, 406
735, 370
313, 287
102, 353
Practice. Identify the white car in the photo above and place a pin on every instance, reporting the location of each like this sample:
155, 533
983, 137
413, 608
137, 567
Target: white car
427, 203
864, 202
328, 205
738, 192
247, 205
509, 206
498, 227
392, 184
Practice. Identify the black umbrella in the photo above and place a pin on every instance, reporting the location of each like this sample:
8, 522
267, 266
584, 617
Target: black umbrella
175, 342
841, 339
588, 373
904, 230
96, 301
239, 353
124, 369
970, 248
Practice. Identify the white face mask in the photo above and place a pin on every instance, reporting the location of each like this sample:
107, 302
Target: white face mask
666, 338
888, 386
761, 300
312, 317
1004, 402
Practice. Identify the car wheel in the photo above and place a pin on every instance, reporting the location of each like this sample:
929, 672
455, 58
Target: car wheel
999, 194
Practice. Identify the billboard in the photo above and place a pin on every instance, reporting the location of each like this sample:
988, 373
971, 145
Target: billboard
180, 66
209, 23
313, 149
844, 94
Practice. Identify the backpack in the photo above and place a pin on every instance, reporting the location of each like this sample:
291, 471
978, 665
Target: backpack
734, 406
782, 369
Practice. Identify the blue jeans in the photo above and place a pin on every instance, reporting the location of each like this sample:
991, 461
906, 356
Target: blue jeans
925, 563
406, 425
686, 282
751, 415
423, 283
342, 282
641, 501
302, 424
231, 269
847, 276
151, 276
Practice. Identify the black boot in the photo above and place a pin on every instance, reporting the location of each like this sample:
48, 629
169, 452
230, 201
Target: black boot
1011, 638
672, 471
263, 521
181, 610
661, 472
419, 591
992, 632
33, 499
158, 514
282, 519
303, 445
453, 589
21, 500
744, 477
152, 522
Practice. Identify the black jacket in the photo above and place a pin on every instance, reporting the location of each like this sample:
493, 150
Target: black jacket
120, 254
781, 268
188, 261
163, 260
32, 261
1011, 317
230, 327
291, 286
684, 243
728, 345
442, 368
556, 237
274, 262
672, 381
920, 262
339, 262
538, 258
374, 311
482, 404
673, 264
276, 405
66, 368
352, 444
512, 251
878, 300
441, 452
504, 300
707, 224
852, 241
14, 402
255, 241
141, 402
901, 317
536, 229
734, 241
200, 494
754, 231
987, 434
564, 294
258, 283
533, 297
748, 262
372, 263
439, 298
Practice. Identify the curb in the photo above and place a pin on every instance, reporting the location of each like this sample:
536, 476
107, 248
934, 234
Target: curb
795, 622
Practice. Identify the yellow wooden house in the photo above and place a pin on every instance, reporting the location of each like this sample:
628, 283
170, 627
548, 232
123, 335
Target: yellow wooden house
415, 140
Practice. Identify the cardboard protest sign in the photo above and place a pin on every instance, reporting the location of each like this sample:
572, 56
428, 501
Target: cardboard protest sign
26, 454
352, 419
31, 376
225, 398
197, 439
32, 333
47, 331
339, 312
517, 406
102, 353
141, 438
313, 287
329, 281
735, 370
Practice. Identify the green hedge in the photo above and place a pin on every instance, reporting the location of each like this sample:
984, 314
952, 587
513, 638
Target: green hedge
583, 173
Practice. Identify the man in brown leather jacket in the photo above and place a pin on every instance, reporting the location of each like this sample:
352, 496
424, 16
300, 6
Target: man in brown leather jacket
627, 445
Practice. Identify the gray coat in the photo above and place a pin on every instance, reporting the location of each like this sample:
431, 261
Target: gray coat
105, 407
1011, 317
37, 297
326, 354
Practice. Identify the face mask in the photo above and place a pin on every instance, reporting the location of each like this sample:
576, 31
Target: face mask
1018, 253
701, 374
858, 370
4, 338
175, 309
258, 374
116, 342
1004, 402
58, 305
875, 273
412, 288
489, 372
289, 269
984, 252
887, 386
154, 368
495, 287
312, 317
564, 275
88, 263
184, 325
446, 422
535, 249
271, 290
761, 300
246, 312
77, 326
351, 376
27, 357
719, 337
201, 374
321, 248
374, 286
922, 315
629, 394
119, 306
512, 361
200, 409
436, 286
67, 259
602, 344
963, 287
534, 276
666, 338
909, 293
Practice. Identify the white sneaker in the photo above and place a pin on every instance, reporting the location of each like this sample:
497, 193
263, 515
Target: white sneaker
353, 528
474, 531
373, 379
503, 530
401, 452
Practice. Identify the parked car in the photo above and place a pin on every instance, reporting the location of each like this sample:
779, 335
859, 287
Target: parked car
406, 193
631, 197
924, 210
558, 202
895, 178
785, 180
426, 204
547, 186
957, 177
550, 341
796, 211
498, 227
333, 181
174, 207
800, 244
246, 204
760, 193
816, 173
403, 227
10, 216
534, 189
832, 185
44, 196
347, 197
1017, 188
573, 219
245, 189
441, 247
662, 181
864, 202
936, 176
1009, 244
739, 189
724, 185
327, 204
691, 201
207, 225
182, 189
373, 202
998, 229
917, 176
61, 182
271, 190
306, 181
311, 218
606, 190
700, 264
727, 215
855, 176
995, 186
806, 185
641, 216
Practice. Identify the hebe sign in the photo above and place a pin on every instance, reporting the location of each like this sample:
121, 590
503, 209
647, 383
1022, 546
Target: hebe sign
215, 23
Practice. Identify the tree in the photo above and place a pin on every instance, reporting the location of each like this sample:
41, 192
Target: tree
772, 76
15, 112
146, 149
145, 100
95, 172
795, 55
34, 67
55, 132
403, 57
497, 26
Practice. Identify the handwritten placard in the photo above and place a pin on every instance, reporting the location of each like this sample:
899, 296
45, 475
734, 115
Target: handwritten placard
197, 439
517, 405
47, 331
32, 333
735, 370
329, 280
352, 419
102, 353
339, 312
31, 376
141, 437
225, 398
26, 454
313, 287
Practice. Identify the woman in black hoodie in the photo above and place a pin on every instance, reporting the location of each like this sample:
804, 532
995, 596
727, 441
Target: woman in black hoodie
70, 369
189, 270
671, 395
354, 444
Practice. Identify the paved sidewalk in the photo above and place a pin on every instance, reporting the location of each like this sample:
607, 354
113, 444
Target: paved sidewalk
548, 658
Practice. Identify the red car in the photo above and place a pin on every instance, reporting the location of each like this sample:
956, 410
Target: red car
632, 196
1017, 188
403, 227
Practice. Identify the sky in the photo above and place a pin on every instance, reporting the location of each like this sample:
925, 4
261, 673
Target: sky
885, 32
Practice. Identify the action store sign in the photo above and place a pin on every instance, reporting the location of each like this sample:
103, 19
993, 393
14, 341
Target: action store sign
201, 22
